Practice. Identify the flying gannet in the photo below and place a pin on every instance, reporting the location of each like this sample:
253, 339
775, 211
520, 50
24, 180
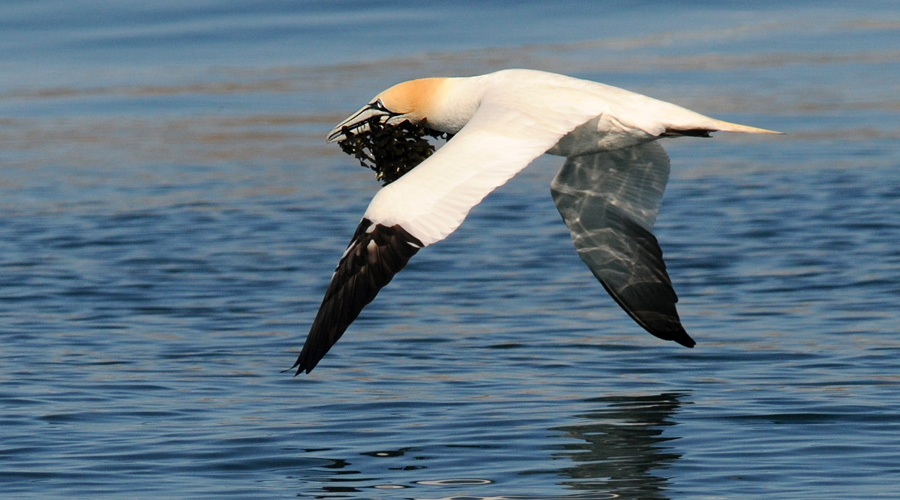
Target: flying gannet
608, 191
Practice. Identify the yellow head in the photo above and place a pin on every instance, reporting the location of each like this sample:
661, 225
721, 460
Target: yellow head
412, 101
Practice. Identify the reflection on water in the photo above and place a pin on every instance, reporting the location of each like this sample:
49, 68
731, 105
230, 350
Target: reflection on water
170, 215
618, 448
622, 448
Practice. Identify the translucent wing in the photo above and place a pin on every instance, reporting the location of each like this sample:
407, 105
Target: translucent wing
609, 201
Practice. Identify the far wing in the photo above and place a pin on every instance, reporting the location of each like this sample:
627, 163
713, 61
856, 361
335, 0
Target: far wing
609, 201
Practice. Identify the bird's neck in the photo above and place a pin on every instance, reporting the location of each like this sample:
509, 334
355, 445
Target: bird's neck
456, 101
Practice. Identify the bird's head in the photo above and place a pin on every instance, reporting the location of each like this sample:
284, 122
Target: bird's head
413, 101
390, 135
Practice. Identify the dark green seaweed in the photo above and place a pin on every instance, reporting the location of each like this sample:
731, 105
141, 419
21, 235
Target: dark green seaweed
391, 150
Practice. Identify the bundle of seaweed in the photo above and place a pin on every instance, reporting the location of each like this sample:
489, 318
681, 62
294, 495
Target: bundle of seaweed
390, 150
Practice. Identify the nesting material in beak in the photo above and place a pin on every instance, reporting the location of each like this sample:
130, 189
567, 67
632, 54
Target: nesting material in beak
390, 150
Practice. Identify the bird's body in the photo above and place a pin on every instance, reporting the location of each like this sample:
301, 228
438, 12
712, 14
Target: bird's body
608, 191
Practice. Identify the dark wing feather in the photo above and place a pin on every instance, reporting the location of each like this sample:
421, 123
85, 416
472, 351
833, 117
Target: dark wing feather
375, 254
609, 201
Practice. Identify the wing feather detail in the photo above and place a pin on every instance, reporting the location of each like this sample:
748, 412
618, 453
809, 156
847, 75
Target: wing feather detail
375, 254
609, 201
433, 199
428, 203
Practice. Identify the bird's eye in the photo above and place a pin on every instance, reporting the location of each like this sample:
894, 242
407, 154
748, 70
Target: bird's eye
379, 105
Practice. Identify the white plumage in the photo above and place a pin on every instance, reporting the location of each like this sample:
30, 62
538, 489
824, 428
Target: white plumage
608, 191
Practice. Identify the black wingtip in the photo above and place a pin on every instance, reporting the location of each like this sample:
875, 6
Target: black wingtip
308, 359
674, 332
300, 368
374, 255
686, 341
693, 132
668, 329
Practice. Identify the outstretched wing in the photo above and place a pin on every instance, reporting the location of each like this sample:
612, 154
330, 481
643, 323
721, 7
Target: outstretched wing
609, 201
427, 204
375, 254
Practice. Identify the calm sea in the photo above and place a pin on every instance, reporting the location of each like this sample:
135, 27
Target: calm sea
170, 216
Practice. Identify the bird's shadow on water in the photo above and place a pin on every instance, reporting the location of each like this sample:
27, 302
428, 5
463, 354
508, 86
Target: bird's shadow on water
619, 450
621, 447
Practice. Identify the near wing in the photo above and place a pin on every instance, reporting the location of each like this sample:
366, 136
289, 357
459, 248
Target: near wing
424, 206
375, 254
609, 201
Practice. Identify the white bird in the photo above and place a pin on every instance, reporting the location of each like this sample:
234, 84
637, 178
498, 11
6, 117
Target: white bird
608, 191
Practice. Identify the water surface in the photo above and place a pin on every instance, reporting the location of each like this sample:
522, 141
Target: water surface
170, 216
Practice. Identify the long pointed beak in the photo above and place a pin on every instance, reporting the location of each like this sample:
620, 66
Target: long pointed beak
359, 122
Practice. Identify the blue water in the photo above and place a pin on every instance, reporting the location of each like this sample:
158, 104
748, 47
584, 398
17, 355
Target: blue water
170, 217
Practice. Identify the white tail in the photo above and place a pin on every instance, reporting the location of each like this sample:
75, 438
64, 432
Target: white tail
735, 127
